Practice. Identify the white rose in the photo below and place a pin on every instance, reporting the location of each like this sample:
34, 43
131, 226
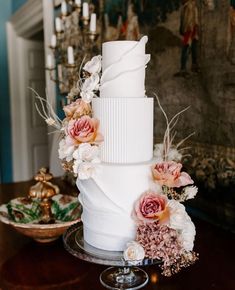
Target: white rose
85, 170
82, 151
134, 252
76, 155
76, 165
87, 152
94, 154
190, 191
91, 83
181, 222
65, 151
188, 235
87, 96
94, 65
177, 215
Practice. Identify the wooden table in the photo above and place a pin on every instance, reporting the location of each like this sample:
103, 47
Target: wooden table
26, 264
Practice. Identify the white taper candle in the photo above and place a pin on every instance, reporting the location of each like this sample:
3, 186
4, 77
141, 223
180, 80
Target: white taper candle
70, 55
85, 10
53, 40
93, 22
49, 61
63, 8
58, 24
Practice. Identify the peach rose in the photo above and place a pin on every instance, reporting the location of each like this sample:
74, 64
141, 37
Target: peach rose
77, 109
151, 207
169, 174
83, 130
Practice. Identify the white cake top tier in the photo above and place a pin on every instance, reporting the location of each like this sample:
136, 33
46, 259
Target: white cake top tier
123, 69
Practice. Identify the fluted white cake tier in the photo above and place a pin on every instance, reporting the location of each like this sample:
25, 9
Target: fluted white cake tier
108, 199
127, 127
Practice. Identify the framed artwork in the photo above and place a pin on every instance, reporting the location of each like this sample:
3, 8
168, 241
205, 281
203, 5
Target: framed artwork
129, 19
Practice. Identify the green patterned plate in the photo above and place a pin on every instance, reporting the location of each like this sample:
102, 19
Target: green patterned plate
25, 215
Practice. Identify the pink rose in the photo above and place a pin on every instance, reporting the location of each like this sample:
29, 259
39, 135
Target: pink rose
151, 207
83, 130
77, 109
169, 174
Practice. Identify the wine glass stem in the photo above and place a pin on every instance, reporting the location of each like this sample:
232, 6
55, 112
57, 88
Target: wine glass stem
126, 270
125, 275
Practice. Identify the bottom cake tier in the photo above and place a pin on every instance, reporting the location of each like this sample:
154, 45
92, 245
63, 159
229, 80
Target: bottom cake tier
108, 199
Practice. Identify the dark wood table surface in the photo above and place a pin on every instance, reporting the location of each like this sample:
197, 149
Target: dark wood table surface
26, 264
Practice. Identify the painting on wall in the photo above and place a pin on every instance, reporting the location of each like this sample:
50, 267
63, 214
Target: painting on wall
175, 21
129, 19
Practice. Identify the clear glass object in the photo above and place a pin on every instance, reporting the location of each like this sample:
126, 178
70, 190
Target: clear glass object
124, 278
122, 274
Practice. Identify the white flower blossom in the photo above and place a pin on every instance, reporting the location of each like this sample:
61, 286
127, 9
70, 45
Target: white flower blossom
66, 151
181, 222
134, 252
76, 165
177, 215
86, 152
91, 83
190, 192
173, 153
188, 235
158, 152
94, 65
87, 96
84, 170
76, 156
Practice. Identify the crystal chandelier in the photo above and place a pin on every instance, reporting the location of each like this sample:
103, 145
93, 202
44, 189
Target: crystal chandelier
76, 37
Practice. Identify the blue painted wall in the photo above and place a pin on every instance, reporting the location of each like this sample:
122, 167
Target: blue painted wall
5, 125
7, 9
16, 4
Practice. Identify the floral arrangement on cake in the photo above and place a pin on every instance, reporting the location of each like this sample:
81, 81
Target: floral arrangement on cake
79, 147
164, 229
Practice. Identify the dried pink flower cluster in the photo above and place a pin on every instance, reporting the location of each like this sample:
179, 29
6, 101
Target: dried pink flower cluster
161, 242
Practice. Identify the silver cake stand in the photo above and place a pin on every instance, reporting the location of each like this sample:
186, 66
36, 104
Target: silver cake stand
121, 274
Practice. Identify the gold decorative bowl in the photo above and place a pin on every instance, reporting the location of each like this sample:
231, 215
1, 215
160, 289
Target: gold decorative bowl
24, 216
42, 233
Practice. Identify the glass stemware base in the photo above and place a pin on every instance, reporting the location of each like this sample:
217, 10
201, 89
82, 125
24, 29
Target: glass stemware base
122, 274
129, 278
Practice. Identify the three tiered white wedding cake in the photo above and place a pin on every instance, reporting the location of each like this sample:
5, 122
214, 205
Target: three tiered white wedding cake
131, 201
126, 123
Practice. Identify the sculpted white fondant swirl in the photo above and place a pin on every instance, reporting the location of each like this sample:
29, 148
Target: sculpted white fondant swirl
108, 200
123, 73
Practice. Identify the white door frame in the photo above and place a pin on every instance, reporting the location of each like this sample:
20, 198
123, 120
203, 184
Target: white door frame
28, 20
